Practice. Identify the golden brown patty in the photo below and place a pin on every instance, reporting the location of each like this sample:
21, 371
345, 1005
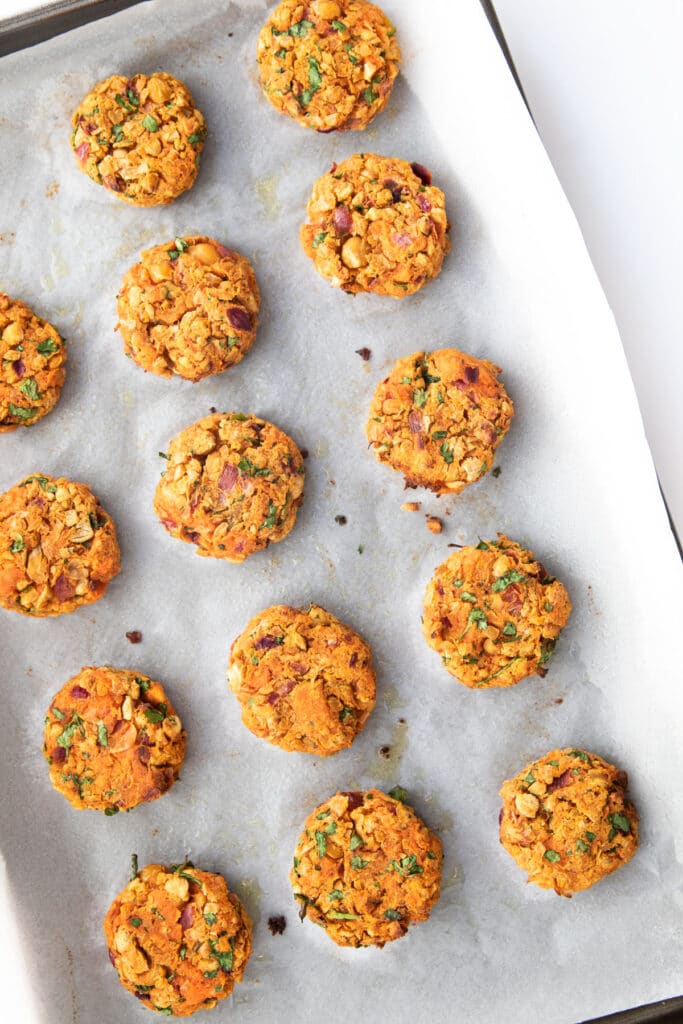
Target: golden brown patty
58, 547
438, 419
566, 820
493, 614
304, 679
328, 64
233, 483
377, 224
178, 938
189, 307
32, 358
113, 740
140, 137
365, 868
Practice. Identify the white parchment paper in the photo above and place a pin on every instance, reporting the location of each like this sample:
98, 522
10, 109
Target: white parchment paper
576, 484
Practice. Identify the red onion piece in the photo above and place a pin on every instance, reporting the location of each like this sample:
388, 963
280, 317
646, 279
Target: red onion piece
355, 799
228, 478
342, 220
402, 239
170, 524
222, 251
79, 692
423, 203
59, 755
187, 916
266, 643
192, 536
565, 779
298, 667
82, 151
63, 588
19, 367
353, 660
282, 691
151, 794
114, 182
239, 318
422, 173
415, 422
143, 755
472, 374
112, 959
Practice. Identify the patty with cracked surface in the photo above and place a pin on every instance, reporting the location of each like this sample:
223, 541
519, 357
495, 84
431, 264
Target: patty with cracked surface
58, 546
366, 868
32, 361
113, 740
304, 679
232, 485
438, 418
140, 137
494, 614
330, 64
178, 938
376, 224
567, 821
189, 307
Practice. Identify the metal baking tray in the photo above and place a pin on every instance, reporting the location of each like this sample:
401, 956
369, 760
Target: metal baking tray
52, 19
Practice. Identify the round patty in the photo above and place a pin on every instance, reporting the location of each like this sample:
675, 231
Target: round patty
494, 614
232, 485
438, 419
329, 65
304, 679
113, 740
140, 137
178, 938
376, 224
189, 307
58, 547
366, 868
567, 821
32, 360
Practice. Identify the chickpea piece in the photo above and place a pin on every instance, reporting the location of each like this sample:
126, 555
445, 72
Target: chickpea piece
161, 271
13, 333
158, 89
204, 252
352, 252
527, 805
326, 9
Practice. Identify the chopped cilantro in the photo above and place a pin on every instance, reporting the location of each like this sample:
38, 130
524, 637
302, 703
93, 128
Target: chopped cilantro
111, 811
157, 714
458, 583
134, 866
356, 841
65, 738
357, 863
20, 412
420, 398
582, 847
503, 582
196, 137
336, 894
211, 974
478, 617
247, 467
407, 865
590, 836
321, 843
548, 607
466, 596
510, 630
144, 684
393, 915
446, 453
582, 756
352, 57
439, 435
58, 714
345, 713
529, 778
430, 854
102, 737
183, 952
224, 959
132, 97
337, 916
482, 546
552, 856
398, 793
117, 132
270, 520
339, 26
135, 921
547, 651
17, 544
125, 103
150, 123
46, 348
369, 95
620, 824
319, 239
180, 246
298, 30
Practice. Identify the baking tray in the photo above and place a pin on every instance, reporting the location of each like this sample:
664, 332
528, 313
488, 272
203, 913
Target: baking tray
53, 19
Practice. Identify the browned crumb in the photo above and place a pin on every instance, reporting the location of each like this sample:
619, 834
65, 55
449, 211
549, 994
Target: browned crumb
340, 520
434, 524
410, 506
277, 924
364, 353
134, 636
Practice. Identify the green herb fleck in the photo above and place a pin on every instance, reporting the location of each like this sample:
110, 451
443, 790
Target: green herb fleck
144, 684
547, 651
298, 30
157, 714
431, 855
352, 57
339, 26
552, 856
369, 95
482, 546
355, 841
337, 916
65, 739
503, 582
180, 246
590, 836
111, 811
529, 778
58, 714
407, 865
582, 755
134, 866
420, 399
224, 959
20, 412
358, 863
399, 793
345, 713
466, 596
620, 824
102, 737
439, 435
270, 520
321, 843
510, 630
196, 137
336, 894
548, 607
446, 453
319, 239
393, 915
582, 847
135, 921
47, 348
210, 974
117, 132
17, 544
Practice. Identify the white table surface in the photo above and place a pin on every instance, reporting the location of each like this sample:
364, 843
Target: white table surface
603, 79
